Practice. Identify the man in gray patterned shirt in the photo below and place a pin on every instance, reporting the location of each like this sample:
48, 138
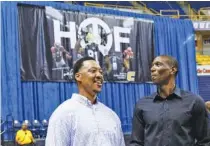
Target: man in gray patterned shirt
83, 120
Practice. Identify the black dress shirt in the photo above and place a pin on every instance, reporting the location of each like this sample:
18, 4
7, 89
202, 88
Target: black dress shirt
179, 120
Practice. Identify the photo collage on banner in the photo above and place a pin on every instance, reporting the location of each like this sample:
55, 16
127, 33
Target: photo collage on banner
53, 40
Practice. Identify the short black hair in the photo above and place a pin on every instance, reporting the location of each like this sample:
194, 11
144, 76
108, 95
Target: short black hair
79, 64
172, 62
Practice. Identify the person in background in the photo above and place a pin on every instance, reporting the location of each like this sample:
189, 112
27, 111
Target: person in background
207, 103
83, 120
24, 136
57, 54
170, 116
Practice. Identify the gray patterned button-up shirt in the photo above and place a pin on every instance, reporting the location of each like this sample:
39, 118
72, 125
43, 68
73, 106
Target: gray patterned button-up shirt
78, 122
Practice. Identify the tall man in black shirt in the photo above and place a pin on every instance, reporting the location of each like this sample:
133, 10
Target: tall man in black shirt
170, 116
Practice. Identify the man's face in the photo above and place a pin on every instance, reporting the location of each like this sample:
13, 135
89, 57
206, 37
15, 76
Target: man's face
161, 71
208, 106
90, 77
24, 126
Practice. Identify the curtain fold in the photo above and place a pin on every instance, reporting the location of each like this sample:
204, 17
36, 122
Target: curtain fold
176, 38
37, 100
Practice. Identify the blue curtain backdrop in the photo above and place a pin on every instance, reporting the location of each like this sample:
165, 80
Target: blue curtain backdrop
37, 100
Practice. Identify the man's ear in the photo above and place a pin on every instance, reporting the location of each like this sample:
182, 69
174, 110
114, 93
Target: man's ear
78, 77
173, 70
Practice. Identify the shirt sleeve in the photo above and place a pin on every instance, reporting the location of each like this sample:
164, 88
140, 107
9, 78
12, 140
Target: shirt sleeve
59, 132
137, 136
121, 136
200, 123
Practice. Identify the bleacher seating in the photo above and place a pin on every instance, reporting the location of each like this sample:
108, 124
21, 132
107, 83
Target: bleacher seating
154, 6
199, 4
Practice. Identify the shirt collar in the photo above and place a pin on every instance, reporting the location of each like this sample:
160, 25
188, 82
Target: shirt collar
177, 92
84, 100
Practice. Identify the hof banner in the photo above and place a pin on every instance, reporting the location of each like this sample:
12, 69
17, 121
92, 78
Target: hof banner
53, 40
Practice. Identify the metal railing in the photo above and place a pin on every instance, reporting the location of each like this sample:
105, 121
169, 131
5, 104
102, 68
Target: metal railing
193, 14
144, 7
109, 6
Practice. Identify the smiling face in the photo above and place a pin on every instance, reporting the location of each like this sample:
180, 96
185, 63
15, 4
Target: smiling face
162, 71
90, 78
